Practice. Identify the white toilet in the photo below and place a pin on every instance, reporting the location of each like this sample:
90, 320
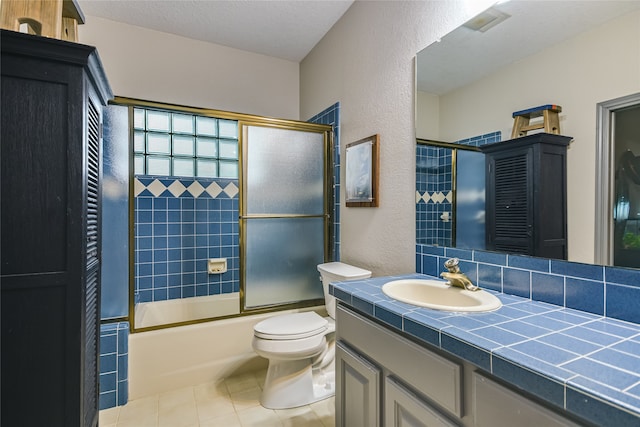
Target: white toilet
300, 348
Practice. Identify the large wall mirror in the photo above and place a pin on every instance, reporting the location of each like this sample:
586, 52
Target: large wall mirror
521, 54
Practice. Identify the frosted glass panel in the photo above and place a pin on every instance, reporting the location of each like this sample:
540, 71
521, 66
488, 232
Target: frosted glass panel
228, 169
182, 123
206, 126
207, 147
207, 168
158, 120
158, 143
114, 299
138, 165
182, 167
182, 145
157, 165
138, 142
285, 171
228, 149
282, 255
470, 200
138, 118
228, 129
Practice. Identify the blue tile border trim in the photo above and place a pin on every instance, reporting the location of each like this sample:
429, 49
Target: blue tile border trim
546, 349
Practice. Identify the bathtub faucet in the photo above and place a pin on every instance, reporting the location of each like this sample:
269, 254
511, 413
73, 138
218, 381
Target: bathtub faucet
457, 278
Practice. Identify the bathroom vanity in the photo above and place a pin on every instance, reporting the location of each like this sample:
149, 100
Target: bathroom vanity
380, 372
525, 364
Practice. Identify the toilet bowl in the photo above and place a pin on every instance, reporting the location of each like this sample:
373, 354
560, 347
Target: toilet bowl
300, 348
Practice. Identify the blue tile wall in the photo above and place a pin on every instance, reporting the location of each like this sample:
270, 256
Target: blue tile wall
434, 186
433, 194
179, 225
114, 360
331, 116
607, 291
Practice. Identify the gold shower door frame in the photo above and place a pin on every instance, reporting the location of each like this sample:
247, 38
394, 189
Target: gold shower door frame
327, 131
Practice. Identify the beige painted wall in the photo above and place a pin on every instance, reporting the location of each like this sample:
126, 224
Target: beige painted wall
596, 66
366, 62
156, 66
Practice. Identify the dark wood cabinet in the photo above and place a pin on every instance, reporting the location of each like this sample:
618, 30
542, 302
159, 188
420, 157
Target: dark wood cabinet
53, 93
526, 195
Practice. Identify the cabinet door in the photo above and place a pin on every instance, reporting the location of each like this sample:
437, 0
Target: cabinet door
509, 198
402, 408
357, 390
496, 405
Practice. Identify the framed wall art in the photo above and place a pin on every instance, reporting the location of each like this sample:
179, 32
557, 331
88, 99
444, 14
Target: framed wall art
361, 172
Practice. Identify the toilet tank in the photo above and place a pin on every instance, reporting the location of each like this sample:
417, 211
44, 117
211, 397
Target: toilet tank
338, 272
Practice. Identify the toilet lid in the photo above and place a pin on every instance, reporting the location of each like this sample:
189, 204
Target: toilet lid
291, 326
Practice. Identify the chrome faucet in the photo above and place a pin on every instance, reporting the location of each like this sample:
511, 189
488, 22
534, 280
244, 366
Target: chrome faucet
457, 278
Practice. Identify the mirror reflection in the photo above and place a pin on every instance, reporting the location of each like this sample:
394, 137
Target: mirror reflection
519, 55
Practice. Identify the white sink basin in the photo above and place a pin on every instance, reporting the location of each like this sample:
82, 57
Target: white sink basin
437, 295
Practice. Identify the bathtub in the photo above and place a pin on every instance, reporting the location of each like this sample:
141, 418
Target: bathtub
186, 309
172, 358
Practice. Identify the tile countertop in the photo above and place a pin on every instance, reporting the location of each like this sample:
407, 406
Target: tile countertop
586, 364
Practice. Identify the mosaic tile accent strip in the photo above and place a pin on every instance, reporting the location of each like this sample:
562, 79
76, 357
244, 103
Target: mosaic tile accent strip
331, 116
179, 225
114, 362
187, 187
586, 364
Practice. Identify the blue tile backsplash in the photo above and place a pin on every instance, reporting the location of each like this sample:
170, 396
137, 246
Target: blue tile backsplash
179, 224
607, 291
114, 359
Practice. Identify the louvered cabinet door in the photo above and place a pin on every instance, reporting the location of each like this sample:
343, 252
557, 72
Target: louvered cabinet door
52, 93
526, 196
509, 203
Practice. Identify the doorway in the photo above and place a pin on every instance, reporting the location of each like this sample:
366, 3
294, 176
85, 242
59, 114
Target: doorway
618, 182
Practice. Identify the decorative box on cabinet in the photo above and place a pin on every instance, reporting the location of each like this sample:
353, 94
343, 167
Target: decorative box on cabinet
53, 93
526, 195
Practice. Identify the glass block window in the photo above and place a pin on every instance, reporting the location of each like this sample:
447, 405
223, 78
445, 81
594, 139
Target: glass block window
171, 143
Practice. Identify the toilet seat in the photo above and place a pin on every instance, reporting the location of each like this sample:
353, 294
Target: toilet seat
291, 326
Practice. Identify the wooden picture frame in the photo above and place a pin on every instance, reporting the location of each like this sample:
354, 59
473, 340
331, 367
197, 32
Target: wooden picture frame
361, 172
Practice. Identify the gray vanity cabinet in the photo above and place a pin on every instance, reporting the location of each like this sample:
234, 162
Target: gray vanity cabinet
384, 379
412, 386
403, 408
358, 382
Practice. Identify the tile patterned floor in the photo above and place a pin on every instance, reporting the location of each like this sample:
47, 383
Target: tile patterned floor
229, 403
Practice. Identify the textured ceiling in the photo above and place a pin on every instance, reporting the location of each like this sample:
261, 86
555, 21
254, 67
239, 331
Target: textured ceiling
286, 29
464, 55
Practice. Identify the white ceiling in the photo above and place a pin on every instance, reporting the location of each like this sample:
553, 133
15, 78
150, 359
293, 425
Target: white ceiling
286, 29
464, 55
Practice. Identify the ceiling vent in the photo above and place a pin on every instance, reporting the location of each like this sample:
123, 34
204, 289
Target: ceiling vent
486, 20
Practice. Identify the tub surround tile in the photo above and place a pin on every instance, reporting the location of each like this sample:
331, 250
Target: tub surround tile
547, 349
114, 359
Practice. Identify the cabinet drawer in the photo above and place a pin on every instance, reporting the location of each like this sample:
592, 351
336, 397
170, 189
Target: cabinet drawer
440, 379
403, 408
496, 405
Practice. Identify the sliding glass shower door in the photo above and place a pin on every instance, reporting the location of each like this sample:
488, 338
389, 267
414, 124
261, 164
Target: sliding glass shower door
284, 221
